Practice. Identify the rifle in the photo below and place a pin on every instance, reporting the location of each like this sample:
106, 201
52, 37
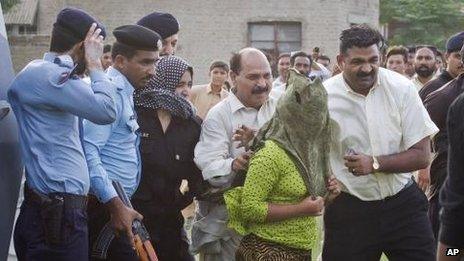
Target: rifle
143, 245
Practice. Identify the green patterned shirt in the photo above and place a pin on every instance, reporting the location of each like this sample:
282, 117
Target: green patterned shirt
272, 178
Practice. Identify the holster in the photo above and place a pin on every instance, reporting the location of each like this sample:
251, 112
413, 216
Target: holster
52, 208
52, 216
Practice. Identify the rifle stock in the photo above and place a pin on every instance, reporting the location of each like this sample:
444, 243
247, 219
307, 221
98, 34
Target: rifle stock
143, 246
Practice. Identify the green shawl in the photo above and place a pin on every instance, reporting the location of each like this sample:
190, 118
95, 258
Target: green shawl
301, 126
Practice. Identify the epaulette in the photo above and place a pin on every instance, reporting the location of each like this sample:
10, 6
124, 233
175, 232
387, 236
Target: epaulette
65, 76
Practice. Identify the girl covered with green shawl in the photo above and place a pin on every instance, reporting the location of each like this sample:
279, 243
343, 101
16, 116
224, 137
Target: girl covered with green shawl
287, 179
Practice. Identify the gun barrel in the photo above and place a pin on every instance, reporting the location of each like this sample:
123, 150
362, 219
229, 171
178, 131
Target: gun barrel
122, 194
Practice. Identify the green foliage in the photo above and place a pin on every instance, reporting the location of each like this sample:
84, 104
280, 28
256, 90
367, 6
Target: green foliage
422, 21
7, 4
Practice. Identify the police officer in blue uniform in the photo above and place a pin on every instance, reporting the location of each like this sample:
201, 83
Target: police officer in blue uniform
112, 150
49, 101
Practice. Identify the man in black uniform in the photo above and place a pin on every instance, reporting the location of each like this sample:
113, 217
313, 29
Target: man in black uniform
170, 130
453, 69
437, 104
452, 193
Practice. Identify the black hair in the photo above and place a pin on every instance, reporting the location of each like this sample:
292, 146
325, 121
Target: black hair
300, 54
122, 49
282, 55
361, 36
235, 63
462, 53
107, 48
323, 57
398, 49
219, 64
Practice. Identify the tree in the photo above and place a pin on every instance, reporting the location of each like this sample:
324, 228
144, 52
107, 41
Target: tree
422, 21
7, 4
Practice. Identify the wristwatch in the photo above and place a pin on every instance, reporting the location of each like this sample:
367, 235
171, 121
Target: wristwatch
375, 164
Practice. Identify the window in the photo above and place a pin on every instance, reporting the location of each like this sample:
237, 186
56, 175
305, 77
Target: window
280, 37
9, 28
274, 38
31, 29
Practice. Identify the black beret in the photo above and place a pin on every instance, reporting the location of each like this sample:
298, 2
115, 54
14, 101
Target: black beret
76, 23
454, 43
163, 23
138, 37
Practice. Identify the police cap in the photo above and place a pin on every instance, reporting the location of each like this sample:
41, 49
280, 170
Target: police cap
76, 23
138, 37
163, 23
454, 43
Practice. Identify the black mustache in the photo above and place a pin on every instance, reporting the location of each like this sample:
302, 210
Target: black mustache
424, 67
363, 74
259, 90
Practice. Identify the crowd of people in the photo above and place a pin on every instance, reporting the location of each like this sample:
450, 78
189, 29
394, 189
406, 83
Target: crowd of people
373, 142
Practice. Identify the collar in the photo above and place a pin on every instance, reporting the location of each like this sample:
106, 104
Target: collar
445, 75
236, 104
62, 60
210, 90
279, 80
415, 78
350, 90
119, 80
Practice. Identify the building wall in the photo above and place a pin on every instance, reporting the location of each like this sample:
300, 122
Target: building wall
213, 29
27, 48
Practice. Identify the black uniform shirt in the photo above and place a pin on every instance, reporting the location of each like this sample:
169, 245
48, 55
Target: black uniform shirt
167, 159
452, 193
435, 84
437, 104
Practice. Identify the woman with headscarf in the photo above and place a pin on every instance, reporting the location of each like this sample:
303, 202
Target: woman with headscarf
169, 131
287, 178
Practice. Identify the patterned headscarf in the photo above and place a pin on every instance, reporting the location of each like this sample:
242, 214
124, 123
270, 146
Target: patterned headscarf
160, 90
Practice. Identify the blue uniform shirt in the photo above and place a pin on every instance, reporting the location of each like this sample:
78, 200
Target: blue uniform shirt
112, 150
48, 102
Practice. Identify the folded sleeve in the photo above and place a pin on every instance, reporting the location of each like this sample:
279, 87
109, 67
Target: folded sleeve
95, 138
416, 123
212, 151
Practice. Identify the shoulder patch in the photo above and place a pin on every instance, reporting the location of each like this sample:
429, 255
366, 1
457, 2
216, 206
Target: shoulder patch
63, 77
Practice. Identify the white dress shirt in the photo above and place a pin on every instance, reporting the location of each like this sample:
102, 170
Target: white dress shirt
214, 155
389, 120
417, 83
215, 151
323, 73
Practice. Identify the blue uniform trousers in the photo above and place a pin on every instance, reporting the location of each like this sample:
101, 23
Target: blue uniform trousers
29, 235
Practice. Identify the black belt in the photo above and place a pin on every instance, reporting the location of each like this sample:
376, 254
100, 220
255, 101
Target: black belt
71, 201
409, 184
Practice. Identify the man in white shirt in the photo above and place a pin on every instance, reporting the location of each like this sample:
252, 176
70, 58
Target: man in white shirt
218, 156
424, 65
300, 61
381, 134
283, 64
